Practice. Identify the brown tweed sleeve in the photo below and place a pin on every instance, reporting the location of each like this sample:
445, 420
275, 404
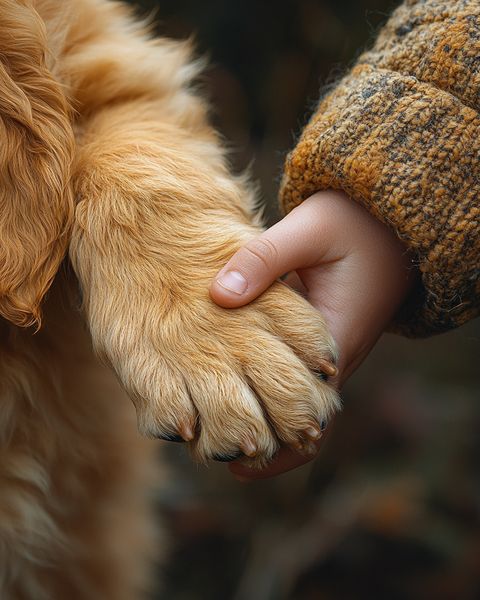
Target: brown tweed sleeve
401, 135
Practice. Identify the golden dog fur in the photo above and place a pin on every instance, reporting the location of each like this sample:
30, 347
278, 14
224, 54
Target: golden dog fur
106, 153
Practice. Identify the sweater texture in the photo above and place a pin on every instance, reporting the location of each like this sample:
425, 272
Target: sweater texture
401, 135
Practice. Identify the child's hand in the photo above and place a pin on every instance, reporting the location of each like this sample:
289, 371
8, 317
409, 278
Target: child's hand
348, 265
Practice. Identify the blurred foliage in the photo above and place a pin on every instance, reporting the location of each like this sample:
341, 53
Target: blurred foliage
268, 61
391, 508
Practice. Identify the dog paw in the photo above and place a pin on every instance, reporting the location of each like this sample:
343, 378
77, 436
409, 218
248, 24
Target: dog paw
229, 383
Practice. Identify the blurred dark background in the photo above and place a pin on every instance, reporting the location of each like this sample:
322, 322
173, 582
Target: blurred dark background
391, 508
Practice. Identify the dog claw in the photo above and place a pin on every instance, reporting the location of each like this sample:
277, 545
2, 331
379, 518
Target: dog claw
306, 447
249, 448
313, 433
186, 432
297, 445
328, 368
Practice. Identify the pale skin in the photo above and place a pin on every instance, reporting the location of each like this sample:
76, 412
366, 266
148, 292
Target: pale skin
349, 266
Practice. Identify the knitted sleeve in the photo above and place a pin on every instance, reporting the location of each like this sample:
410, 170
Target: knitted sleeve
401, 135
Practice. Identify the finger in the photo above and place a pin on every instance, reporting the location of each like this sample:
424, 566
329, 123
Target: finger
286, 460
294, 242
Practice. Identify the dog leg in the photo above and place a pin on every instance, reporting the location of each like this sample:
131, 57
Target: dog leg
158, 214
75, 477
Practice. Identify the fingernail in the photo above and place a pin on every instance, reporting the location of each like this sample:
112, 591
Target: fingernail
233, 281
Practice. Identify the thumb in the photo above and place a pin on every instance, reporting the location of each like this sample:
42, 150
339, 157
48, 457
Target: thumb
284, 247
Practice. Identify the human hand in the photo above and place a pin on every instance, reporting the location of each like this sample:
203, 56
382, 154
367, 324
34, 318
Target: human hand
349, 265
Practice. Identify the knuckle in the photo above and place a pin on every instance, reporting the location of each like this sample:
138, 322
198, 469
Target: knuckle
263, 250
